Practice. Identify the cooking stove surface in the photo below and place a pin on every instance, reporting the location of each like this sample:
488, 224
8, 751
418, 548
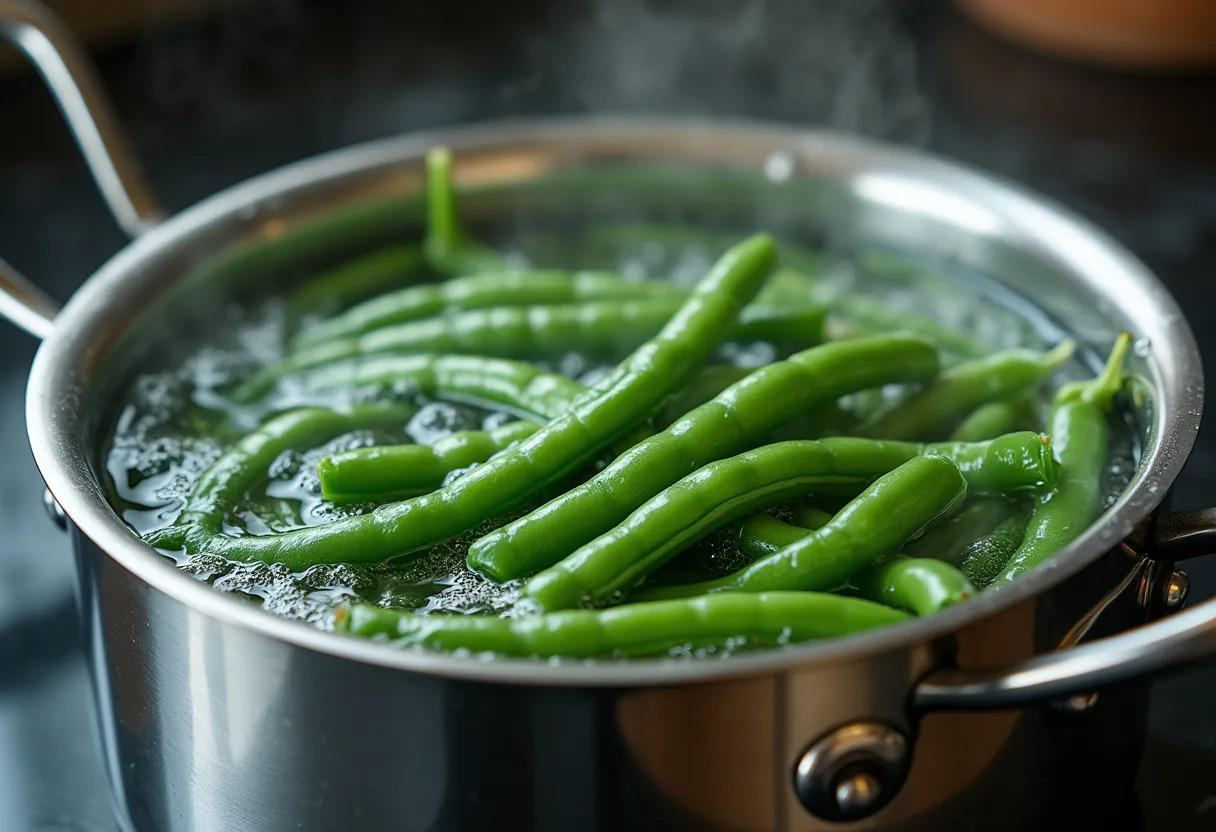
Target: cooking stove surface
208, 107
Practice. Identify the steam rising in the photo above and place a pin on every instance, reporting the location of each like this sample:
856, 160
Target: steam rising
845, 63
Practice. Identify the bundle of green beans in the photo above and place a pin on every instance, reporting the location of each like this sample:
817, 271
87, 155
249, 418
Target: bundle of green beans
937, 492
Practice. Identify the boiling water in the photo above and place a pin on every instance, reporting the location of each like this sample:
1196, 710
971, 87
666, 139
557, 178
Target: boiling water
176, 421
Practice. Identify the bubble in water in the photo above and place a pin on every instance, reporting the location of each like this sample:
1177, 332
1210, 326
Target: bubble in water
1142, 347
285, 466
779, 166
436, 420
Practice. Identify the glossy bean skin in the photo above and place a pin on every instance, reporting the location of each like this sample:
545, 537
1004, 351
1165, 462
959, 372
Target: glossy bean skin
1078, 419
995, 418
935, 411
876, 523
949, 539
922, 586
733, 421
718, 493
809, 517
446, 246
395, 472
514, 287
599, 328
650, 629
984, 560
370, 274
761, 535
512, 384
227, 479
704, 386
601, 415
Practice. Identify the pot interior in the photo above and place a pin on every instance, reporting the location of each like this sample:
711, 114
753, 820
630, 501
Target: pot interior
915, 233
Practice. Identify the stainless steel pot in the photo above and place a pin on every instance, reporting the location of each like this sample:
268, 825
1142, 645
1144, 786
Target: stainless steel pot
216, 715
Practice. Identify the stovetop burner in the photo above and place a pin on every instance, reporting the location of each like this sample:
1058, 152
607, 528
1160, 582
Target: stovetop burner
214, 102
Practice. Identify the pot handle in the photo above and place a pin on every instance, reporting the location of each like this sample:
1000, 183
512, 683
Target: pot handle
68, 73
1169, 644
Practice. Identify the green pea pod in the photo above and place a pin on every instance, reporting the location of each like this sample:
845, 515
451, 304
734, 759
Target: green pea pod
1079, 414
604, 413
876, 523
447, 248
935, 411
922, 586
738, 418
764, 619
512, 287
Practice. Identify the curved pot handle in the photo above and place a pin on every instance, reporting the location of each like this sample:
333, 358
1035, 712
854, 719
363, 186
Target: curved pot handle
1170, 644
69, 75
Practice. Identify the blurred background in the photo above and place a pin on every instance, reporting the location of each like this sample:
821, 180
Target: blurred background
1108, 106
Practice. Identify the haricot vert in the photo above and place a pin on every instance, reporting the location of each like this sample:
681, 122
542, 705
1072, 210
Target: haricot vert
769, 618
725, 490
734, 420
1079, 415
882, 502
596, 418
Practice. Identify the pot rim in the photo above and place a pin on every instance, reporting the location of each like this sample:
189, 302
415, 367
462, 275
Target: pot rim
55, 388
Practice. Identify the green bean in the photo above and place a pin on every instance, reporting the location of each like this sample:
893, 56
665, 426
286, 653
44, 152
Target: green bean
922, 586
986, 557
447, 248
876, 523
520, 331
394, 472
937, 410
517, 287
357, 279
808, 516
607, 411
736, 419
995, 418
769, 618
711, 381
511, 384
223, 484
948, 539
1079, 414
854, 315
730, 488
761, 535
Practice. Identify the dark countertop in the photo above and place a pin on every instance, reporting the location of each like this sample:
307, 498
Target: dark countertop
212, 104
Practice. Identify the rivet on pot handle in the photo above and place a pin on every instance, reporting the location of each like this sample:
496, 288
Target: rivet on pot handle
1170, 644
69, 75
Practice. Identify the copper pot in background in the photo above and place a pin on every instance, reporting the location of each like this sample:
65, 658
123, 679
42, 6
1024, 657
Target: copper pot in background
1129, 34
